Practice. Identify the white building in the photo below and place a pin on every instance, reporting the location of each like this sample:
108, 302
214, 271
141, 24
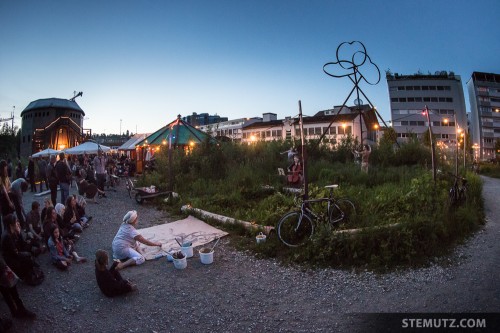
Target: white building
484, 97
442, 93
231, 129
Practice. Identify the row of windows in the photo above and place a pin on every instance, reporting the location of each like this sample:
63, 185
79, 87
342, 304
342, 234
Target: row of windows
47, 113
438, 136
489, 99
417, 111
36, 115
422, 123
486, 89
440, 88
421, 99
307, 131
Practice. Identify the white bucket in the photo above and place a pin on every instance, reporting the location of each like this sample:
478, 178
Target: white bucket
188, 251
260, 238
180, 263
207, 258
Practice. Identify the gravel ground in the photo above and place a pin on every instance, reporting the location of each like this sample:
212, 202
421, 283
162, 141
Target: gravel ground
239, 293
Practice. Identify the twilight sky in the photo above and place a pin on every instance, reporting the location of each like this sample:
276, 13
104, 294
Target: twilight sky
145, 62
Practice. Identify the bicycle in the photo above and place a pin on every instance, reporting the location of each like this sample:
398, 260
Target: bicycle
296, 227
458, 194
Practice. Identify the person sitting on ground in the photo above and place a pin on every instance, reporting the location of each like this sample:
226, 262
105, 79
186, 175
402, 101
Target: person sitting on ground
65, 228
49, 223
34, 230
109, 280
71, 218
60, 253
47, 203
125, 247
16, 252
81, 203
8, 289
87, 188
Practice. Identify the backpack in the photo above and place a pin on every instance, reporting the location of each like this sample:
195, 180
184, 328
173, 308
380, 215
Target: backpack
35, 277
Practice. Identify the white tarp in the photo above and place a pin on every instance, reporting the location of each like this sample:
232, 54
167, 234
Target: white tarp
189, 229
88, 147
46, 152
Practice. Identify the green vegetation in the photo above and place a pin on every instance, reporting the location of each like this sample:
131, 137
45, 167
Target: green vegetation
404, 216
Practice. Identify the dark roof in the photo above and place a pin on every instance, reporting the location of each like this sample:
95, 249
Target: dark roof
59, 103
182, 134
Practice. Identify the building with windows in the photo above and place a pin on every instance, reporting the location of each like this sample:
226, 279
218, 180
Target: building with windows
443, 95
350, 121
203, 119
484, 97
51, 123
230, 129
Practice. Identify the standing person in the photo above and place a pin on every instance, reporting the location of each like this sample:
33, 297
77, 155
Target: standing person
9, 168
18, 187
290, 154
19, 170
63, 176
100, 170
8, 288
6, 203
31, 174
42, 173
125, 247
109, 280
365, 156
52, 178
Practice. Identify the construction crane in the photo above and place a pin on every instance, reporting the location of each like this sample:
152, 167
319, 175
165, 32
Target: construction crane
10, 118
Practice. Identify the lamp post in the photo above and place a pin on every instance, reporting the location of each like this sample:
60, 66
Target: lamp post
426, 113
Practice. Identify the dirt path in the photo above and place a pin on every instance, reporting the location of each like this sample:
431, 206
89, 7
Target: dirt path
240, 293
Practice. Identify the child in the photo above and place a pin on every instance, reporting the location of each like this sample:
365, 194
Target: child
61, 256
110, 281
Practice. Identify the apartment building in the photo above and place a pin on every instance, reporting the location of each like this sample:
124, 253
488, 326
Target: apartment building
443, 95
230, 129
345, 123
484, 97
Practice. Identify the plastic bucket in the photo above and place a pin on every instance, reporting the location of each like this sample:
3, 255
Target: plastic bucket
188, 251
206, 258
260, 238
180, 263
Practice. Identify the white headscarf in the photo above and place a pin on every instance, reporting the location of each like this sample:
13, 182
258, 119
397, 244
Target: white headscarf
130, 217
59, 208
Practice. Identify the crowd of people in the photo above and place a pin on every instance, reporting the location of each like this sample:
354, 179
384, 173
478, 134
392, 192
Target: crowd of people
56, 228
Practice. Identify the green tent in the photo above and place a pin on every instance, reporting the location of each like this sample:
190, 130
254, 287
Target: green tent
178, 133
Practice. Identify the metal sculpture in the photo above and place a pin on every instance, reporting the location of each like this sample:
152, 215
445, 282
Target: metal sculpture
351, 68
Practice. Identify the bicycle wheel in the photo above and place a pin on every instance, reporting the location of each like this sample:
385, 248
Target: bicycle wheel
343, 210
295, 229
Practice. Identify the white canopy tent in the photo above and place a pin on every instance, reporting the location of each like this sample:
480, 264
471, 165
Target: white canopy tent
88, 147
46, 152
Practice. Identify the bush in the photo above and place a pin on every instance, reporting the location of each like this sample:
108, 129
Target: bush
404, 214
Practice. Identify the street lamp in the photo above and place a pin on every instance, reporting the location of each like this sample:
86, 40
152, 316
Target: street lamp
425, 112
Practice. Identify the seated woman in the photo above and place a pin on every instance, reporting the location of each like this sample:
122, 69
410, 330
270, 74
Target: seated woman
16, 251
47, 203
90, 190
61, 255
65, 227
125, 247
81, 203
110, 281
295, 171
71, 218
